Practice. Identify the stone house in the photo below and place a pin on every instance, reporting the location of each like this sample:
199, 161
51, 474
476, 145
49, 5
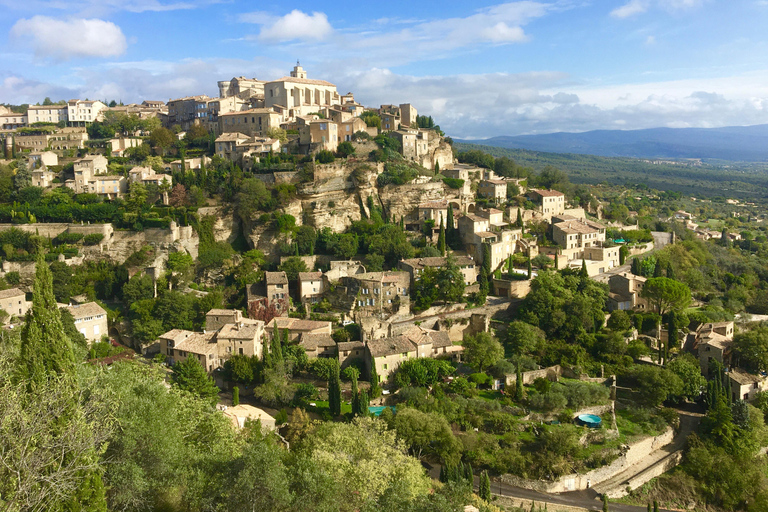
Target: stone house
277, 289
85, 169
744, 385
41, 159
109, 186
212, 348
177, 345
317, 134
43, 178
242, 413
297, 327
119, 145
349, 352
90, 320
436, 211
624, 292
14, 302
378, 292
12, 120
318, 345
253, 122
713, 341
549, 202
494, 190
47, 113
311, 287
387, 354
415, 266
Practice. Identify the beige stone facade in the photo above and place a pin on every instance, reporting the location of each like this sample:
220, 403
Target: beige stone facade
311, 287
47, 113
90, 320
624, 292
549, 202
14, 302
415, 266
297, 327
251, 122
38, 160
299, 94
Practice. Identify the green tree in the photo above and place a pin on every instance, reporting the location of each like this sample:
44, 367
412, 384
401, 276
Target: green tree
346, 149
619, 321
485, 486
751, 348
334, 391
162, 138
524, 338
666, 295
441, 239
45, 350
292, 267
623, 253
251, 197
189, 375
235, 396
482, 350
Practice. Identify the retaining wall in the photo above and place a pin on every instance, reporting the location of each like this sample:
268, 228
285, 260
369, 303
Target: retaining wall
576, 482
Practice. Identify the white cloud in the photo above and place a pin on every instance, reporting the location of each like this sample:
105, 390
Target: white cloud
634, 7
503, 33
64, 39
390, 42
296, 25
630, 9
100, 7
650, 40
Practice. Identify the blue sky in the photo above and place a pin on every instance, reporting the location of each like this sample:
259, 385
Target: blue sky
480, 68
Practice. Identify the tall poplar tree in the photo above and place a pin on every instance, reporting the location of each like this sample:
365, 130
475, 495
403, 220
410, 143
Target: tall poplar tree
441, 239
45, 348
334, 392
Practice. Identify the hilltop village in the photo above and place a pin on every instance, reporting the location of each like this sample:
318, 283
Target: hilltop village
315, 280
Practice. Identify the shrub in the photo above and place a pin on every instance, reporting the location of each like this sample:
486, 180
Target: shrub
93, 239
13, 278
453, 182
325, 157
346, 149
67, 238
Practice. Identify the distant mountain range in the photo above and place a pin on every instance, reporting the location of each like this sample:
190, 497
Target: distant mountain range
733, 143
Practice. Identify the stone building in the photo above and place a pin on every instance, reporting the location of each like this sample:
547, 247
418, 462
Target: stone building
253, 122
90, 320
299, 94
14, 302
624, 292
549, 202
311, 287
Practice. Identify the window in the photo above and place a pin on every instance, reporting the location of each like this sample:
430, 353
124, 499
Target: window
95, 330
385, 366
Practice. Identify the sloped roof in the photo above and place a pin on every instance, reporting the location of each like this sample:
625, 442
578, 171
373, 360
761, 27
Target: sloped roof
12, 292
312, 341
389, 346
276, 277
86, 310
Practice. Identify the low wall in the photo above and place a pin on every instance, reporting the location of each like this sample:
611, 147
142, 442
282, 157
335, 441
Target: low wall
508, 502
658, 469
576, 482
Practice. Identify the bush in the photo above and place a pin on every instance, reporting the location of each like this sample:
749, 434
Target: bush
455, 183
13, 278
67, 238
325, 156
346, 149
93, 239
397, 174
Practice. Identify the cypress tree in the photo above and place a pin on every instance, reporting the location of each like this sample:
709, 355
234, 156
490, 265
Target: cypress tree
519, 390
363, 403
519, 221
45, 348
672, 329
655, 506
235, 396
649, 507
557, 263
485, 486
441, 239
487, 258
584, 273
509, 264
657, 271
635, 268
355, 396
623, 253
442, 474
670, 271
334, 392
605, 503
470, 475
530, 270
375, 385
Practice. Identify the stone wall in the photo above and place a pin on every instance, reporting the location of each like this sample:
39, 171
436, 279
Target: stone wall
575, 482
658, 469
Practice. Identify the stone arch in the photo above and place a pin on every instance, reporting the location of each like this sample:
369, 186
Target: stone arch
471, 208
